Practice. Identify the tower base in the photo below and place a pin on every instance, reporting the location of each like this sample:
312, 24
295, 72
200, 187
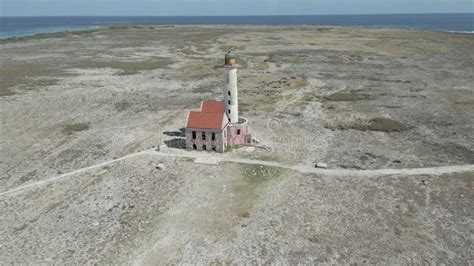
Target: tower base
239, 133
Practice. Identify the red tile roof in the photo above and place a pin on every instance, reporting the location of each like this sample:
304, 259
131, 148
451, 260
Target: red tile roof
212, 106
211, 116
206, 120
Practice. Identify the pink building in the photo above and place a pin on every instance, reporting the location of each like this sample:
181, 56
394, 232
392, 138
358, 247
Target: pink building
217, 126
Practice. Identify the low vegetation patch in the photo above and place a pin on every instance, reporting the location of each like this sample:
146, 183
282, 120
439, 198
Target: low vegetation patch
270, 157
385, 125
6, 92
263, 66
77, 127
324, 29
305, 100
347, 97
198, 71
301, 83
377, 124
125, 27
244, 214
127, 73
83, 32
256, 174
38, 36
130, 67
122, 105
27, 75
271, 59
227, 47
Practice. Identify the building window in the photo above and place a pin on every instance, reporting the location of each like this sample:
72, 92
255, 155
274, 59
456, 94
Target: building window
195, 147
229, 101
214, 147
203, 135
238, 131
228, 93
204, 147
194, 134
229, 111
213, 136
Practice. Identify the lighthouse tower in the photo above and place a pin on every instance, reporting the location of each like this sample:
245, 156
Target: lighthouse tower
231, 98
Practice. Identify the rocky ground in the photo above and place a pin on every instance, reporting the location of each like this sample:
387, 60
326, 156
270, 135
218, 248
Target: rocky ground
353, 98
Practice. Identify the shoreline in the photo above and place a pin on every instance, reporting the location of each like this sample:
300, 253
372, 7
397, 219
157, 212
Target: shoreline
15, 27
90, 29
38, 33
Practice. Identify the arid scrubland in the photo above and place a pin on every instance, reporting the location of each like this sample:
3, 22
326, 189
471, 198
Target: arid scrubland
352, 98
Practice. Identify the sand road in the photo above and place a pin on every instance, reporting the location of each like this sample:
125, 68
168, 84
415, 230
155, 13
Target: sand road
214, 158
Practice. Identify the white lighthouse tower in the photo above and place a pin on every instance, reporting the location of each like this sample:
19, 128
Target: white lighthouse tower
231, 97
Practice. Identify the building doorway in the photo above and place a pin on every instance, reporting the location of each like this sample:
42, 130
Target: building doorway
204, 148
195, 147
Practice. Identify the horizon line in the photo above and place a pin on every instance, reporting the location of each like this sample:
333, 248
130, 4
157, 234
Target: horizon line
276, 15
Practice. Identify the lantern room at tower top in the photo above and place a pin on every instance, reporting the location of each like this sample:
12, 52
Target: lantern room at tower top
217, 126
229, 58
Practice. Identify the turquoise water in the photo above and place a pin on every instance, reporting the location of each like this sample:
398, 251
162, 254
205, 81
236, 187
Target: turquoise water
21, 26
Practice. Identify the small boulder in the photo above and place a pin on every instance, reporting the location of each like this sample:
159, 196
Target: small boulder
321, 165
160, 167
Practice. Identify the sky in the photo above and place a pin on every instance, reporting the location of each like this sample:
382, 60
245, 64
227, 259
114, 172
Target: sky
227, 7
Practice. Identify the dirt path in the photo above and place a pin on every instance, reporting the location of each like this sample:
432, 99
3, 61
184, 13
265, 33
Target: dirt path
379, 172
49, 180
211, 158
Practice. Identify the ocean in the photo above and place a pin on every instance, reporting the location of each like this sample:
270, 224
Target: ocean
21, 26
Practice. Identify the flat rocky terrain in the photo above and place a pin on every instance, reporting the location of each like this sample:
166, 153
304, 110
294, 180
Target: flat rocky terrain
356, 99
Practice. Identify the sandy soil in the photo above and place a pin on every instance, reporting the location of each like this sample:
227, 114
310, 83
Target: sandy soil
353, 98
